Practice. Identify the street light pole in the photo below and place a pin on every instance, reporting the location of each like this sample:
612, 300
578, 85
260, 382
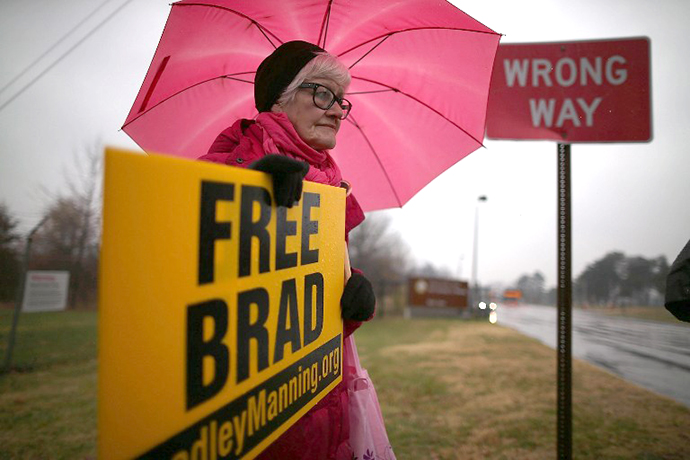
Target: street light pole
475, 282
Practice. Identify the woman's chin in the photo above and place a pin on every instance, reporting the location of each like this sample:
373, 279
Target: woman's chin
322, 144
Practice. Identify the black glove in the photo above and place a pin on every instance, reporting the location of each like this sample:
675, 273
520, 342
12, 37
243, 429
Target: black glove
287, 175
358, 300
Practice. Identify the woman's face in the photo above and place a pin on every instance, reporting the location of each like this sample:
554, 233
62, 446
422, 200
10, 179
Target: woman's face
316, 127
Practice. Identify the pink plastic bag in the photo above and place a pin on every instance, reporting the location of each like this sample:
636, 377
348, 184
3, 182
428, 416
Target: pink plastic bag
368, 437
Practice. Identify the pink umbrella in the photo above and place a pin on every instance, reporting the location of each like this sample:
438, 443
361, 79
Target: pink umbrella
420, 81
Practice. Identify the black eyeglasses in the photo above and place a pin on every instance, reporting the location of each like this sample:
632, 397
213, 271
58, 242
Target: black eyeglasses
324, 98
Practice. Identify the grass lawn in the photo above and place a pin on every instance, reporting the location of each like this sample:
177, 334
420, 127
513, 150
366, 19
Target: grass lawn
48, 401
464, 390
448, 390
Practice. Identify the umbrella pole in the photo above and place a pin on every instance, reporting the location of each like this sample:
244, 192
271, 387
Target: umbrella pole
564, 388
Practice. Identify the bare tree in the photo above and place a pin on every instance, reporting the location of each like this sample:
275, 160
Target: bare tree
532, 287
380, 252
430, 270
70, 237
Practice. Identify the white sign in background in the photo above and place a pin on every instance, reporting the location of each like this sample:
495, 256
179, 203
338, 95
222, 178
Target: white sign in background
45, 291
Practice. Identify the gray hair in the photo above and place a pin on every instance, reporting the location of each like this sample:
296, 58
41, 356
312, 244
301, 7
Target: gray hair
324, 65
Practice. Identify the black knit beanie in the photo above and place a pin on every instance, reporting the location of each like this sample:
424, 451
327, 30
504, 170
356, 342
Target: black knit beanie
278, 70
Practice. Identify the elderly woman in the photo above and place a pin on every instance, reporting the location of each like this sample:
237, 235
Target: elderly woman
298, 92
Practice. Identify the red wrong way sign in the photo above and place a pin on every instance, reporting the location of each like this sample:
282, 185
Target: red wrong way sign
584, 91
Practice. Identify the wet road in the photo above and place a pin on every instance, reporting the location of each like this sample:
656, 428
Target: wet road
650, 354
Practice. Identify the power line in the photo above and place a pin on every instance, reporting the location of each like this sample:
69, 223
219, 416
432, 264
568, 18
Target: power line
47, 69
37, 60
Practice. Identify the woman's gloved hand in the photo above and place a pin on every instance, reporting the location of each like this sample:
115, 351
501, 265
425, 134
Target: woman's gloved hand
288, 175
358, 300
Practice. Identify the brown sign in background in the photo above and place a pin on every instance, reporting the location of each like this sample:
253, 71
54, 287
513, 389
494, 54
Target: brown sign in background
437, 292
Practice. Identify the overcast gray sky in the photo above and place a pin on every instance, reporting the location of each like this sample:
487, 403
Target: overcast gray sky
627, 197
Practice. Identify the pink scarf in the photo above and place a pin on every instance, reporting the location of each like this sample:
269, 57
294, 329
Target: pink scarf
280, 136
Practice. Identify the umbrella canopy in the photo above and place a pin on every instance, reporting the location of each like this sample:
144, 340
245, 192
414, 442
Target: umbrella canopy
420, 80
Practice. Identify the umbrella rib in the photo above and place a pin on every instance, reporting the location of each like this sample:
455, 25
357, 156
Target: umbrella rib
154, 83
367, 53
421, 103
261, 28
229, 77
353, 122
372, 92
412, 29
323, 33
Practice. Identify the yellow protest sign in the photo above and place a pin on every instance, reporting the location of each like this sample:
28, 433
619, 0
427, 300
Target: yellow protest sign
219, 320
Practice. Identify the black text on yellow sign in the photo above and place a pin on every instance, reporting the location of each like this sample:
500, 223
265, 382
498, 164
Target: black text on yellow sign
289, 330
220, 321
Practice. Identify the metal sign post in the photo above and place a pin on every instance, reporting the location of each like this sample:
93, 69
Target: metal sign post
564, 387
581, 91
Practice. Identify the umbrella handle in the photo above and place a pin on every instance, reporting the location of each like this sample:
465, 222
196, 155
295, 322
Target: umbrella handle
348, 268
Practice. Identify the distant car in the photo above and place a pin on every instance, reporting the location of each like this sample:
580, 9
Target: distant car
488, 310
491, 305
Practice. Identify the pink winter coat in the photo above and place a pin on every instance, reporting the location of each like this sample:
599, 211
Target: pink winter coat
323, 433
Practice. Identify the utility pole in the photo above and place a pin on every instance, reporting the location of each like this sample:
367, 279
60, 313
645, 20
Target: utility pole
20, 295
